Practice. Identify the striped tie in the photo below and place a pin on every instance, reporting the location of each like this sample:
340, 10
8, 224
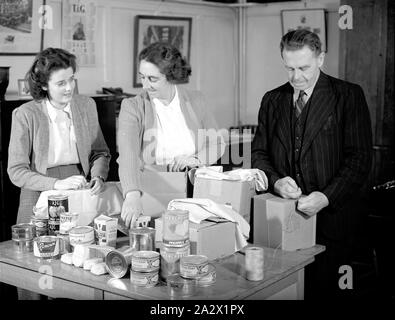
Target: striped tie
300, 103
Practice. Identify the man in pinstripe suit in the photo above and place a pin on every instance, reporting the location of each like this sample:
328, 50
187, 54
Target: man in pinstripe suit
314, 143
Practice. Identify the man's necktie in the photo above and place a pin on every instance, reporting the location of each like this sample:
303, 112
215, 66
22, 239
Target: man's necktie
300, 102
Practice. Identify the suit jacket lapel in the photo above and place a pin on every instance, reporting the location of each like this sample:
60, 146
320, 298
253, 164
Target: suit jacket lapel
322, 105
283, 115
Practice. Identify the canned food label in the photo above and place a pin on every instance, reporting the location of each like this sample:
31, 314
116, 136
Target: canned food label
175, 228
57, 204
144, 279
46, 249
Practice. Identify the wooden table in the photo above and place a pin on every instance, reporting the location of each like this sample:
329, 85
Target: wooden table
284, 278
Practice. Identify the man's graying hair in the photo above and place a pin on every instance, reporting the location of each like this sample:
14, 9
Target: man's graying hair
297, 39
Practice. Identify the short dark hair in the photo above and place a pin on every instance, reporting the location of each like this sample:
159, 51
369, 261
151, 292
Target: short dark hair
46, 62
297, 39
169, 61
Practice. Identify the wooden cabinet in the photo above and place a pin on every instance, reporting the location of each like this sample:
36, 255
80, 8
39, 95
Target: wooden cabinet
107, 107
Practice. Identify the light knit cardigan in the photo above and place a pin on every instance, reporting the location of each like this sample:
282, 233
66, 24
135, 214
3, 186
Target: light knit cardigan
138, 128
28, 149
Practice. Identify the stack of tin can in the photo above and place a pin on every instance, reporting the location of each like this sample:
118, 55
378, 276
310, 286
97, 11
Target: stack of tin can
23, 235
144, 268
57, 204
176, 243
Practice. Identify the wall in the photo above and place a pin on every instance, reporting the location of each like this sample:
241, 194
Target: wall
213, 50
264, 67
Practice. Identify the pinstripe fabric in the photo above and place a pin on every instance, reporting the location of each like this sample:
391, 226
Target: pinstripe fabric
337, 139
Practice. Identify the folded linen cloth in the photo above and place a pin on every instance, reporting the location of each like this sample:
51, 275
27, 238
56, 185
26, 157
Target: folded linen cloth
256, 175
201, 209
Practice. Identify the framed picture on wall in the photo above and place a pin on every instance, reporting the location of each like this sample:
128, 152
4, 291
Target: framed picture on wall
151, 29
20, 32
311, 19
23, 88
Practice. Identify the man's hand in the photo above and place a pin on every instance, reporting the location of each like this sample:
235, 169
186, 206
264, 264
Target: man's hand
96, 185
287, 188
181, 162
132, 208
312, 203
70, 183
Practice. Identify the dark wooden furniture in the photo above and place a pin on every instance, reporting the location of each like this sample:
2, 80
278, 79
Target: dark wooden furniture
107, 107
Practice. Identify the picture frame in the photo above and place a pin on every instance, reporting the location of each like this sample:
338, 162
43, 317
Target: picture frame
20, 31
23, 88
311, 19
168, 29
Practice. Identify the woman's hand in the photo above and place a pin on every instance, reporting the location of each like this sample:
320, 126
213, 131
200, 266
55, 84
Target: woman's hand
132, 208
96, 185
181, 162
70, 183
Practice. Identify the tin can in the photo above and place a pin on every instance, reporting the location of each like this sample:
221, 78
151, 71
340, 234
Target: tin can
170, 260
47, 247
23, 231
145, 261
81, 235
118, 261
193, 266
144, 279
254, 263
65, 246
142, 239
56, 205
175, 228
179, 287
41, 225
67, 221
209, 278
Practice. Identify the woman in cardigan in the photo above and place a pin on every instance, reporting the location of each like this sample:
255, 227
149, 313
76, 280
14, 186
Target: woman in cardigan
165, 125
56, 141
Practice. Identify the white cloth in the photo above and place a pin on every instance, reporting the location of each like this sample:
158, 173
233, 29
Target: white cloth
256, 175
62, 140
201, 209
109, 202
174, 137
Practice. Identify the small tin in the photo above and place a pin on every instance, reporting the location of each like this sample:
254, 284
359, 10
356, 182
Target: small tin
23, 245
193, 266
142, 239
209, 278
118, 261
170, 260
81, 235
65, 246
67, 221
23, 231
41, 225
56, 205
145, 261
179, 287
175, 228
47, 247
144, 279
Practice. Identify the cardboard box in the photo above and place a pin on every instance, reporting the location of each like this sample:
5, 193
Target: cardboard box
212, 239
159, 188
106, 230
277, 224
237, 194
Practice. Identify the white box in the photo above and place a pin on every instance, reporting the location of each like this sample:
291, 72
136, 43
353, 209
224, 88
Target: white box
106, 230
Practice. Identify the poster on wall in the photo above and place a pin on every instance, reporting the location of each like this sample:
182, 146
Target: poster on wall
78, 25
150, 29
20, 32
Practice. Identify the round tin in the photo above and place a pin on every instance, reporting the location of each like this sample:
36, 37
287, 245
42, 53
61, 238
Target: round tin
254, 263
41, 225
170, 260
175, 228
118, 261
209, 278
23, 231
193, 266
179, 287
56, 205
68, 220
81, 235
23, 245
145, 261
46, 247
144, 279
142, 239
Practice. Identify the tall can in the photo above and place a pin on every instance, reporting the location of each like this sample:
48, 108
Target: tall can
175, 228
57, 204
41, 225
142, 239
